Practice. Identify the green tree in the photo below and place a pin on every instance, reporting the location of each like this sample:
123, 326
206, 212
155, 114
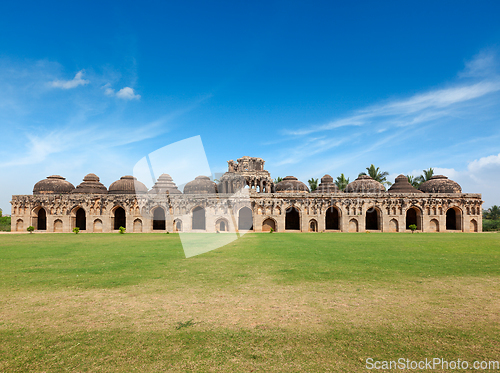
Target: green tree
341, 182
76, 230
278, 179
1, 213
427, 174
415, 181
30, 229
313, 184
377, 175
492, 213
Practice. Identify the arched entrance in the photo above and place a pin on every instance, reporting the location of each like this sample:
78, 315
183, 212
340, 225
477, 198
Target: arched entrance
158, 219
41, 219
245, 219
58, 226
332, 218
353, 225
119, 218
393, 225
222, 225
138, 225
434, 225
19, 225
372, 220
268, 224
198, 221
292, 219
453, 219
413, 218
177, 225
313, 226
81, 220
98, 226
473, 225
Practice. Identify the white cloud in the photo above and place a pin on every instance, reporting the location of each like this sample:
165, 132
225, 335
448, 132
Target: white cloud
75, 82
127, 93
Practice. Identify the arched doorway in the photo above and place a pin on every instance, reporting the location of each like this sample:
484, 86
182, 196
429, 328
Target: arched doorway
245, 219
372, 220
158, 219
119, 219
198, 218
453, 219
41, 219
332, 218
268, 224
353, 225
81, 220
19, 225
177, 225
58, 226
222, 225
413, 218
313, 226
138, 225
98, 226
434, 225
473, 225
393, 225
292, 219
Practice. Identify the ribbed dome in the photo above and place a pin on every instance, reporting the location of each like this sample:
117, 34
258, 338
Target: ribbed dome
165, 184
91, 185
200, 185
54, 184
440, 184
364, 184
127, 185
327, 185
291, 184
402, 185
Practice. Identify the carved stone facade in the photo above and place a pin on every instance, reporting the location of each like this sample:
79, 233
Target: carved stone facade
245, 199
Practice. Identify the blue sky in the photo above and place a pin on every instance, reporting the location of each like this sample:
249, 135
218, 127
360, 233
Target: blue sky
313, 88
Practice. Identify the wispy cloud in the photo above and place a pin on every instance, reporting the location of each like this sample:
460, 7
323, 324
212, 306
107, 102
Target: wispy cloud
125, 93
73, 83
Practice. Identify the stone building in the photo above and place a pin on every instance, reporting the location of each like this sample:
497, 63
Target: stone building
246, 198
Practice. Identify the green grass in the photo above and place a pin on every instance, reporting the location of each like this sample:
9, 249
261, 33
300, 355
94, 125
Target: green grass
266, 302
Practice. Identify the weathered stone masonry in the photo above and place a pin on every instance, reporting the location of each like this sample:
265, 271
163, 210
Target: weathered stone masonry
57, 206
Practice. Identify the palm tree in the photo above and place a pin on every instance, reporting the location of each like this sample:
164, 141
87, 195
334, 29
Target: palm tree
341, 182
427, 174
415, 181
278, 179
377, 175
313, 184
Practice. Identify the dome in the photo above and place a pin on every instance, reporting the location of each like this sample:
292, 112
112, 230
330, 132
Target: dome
327, 185
165, 184
291, 184
364, 184
200, 185
54, 184
92, 185
127, 185
402, 185
440, 184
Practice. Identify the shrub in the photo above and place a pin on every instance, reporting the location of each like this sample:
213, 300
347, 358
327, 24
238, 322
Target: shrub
122, 230
271, 231
30, 229
76, 230
413, 228
491, 225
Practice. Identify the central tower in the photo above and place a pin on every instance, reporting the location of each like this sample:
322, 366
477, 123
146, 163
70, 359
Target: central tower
246, 171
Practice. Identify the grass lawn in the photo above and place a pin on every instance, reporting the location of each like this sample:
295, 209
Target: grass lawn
321, 302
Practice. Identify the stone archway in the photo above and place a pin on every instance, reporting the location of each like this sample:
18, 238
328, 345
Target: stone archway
353, 225
138, 225
313, 225
119, 218
372, 219
98, 226
434, 225
413, 217
473, 226
40, 219
332, 218
292, 219
268, 224
393, 225
159, 221
198, 218
245, 219
80, 219
454, 219
58, 226
19, 225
